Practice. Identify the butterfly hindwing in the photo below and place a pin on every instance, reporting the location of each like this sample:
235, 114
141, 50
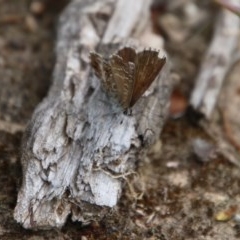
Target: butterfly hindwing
128, 54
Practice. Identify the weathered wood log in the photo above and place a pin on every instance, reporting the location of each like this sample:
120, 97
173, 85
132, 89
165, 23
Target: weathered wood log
77, 149
218, 61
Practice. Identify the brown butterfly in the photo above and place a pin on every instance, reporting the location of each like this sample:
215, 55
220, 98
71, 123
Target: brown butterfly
126, 74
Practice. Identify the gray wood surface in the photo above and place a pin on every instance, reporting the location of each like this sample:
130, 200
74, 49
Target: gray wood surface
78, 147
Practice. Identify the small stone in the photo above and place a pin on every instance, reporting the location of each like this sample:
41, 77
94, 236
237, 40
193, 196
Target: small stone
31, 23
37, 7
226, 214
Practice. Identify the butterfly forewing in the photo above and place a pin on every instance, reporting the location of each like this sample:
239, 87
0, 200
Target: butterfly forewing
148, 65
123, 77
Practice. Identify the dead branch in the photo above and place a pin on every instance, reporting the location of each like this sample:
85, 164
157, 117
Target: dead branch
76, 148
218, 61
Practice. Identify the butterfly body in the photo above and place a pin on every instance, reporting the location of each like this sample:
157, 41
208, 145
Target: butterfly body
126, 75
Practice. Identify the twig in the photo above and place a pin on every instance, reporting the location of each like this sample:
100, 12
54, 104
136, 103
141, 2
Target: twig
223, 147
228, 131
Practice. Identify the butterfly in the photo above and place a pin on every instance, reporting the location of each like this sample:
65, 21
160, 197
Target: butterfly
127, 74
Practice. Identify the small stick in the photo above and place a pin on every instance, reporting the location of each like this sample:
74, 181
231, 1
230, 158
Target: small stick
228, 131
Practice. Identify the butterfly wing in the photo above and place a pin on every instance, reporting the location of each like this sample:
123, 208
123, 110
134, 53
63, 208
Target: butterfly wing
127, 75
148, 66
103, 70
123, 77
128, 54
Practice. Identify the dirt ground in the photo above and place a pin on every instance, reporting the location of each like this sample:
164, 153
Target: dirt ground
185, 194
